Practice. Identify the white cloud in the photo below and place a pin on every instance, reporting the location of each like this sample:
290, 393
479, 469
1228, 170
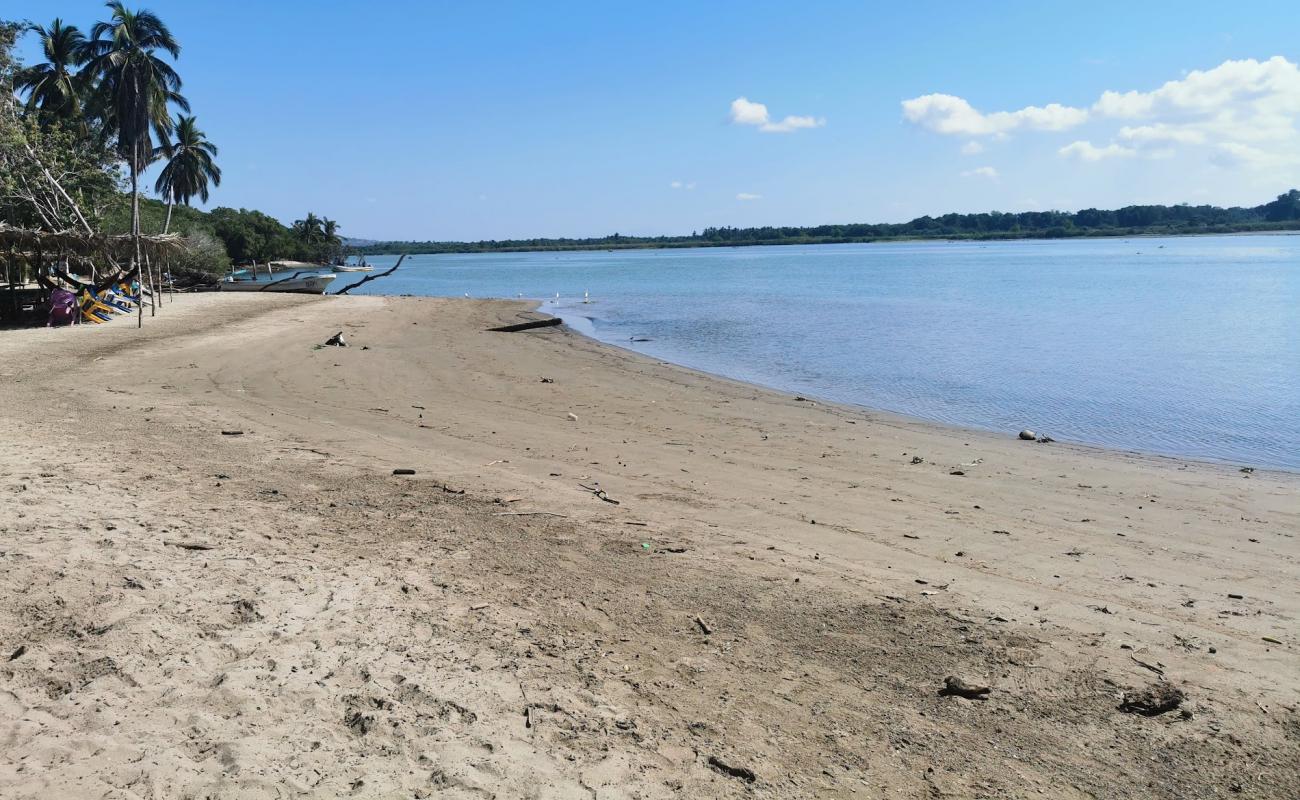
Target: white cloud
1128, 104
682, 185
1272, 85
745, 112
748, 196
1087, 151
1234, 154
1244, 113
1161, 132
792, 123
972, 148
945, 113
980, 172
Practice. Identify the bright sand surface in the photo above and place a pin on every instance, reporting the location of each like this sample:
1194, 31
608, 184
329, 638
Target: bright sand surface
782, 586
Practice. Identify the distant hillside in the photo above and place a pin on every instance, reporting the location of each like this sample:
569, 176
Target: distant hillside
1280, 214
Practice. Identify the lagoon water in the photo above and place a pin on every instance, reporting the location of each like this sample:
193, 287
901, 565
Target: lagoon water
1185, 346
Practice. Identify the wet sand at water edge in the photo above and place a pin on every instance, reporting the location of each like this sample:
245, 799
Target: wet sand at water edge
213, 585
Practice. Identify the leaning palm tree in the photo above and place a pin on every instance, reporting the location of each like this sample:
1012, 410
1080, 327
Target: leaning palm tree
54, 88
189, 167
133, 90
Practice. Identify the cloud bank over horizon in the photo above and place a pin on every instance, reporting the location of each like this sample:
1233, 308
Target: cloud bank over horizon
1239, 114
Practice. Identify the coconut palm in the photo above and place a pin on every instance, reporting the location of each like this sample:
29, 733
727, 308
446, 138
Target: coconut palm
134, 88
310, 230
189, 167
54, 88
330, 232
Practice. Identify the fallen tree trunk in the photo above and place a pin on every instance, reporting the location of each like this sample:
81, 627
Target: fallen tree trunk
526, 326
368, 278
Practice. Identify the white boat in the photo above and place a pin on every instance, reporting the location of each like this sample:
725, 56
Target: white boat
353, 268
298, 282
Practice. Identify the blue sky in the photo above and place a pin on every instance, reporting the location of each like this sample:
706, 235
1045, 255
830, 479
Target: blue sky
420, 120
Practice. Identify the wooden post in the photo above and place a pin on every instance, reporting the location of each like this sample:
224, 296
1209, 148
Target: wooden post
40, 264
12, 316
153, 288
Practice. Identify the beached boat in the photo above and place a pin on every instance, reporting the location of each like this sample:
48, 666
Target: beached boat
298, 282
353, 268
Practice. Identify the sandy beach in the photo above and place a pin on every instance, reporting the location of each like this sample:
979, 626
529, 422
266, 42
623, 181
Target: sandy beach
607, 577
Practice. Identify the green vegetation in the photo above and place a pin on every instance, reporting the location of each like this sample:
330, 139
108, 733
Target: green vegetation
78, 129
1281, 214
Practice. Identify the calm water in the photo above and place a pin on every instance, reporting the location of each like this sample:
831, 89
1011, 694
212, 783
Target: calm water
1182, 346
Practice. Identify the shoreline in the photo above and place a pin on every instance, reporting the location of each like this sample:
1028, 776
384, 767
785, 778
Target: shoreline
242, 598
903, 417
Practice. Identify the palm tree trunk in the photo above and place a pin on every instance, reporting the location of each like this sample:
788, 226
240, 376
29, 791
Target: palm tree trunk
168, 224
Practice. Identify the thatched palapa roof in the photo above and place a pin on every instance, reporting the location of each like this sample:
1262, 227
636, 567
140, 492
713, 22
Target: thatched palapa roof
117, 246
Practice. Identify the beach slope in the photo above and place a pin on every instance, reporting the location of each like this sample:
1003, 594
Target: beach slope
607, 577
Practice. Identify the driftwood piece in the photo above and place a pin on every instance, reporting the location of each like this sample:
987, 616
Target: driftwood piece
529, 514
1145, 665
600, 493
189, 545
744, 773
956, 686
529, 325
376, 276
704, 626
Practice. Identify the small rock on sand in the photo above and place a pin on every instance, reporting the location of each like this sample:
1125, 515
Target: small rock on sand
1153, 700
956, 686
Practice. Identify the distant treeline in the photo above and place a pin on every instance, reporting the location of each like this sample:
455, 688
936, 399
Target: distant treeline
1281, 214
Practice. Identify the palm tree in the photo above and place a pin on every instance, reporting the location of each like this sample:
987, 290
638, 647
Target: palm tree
134, 89
189, 168
54, 88
310, 230
330, 233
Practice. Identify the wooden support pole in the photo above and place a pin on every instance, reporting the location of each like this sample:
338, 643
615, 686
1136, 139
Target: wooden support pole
153, 287
12, 315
